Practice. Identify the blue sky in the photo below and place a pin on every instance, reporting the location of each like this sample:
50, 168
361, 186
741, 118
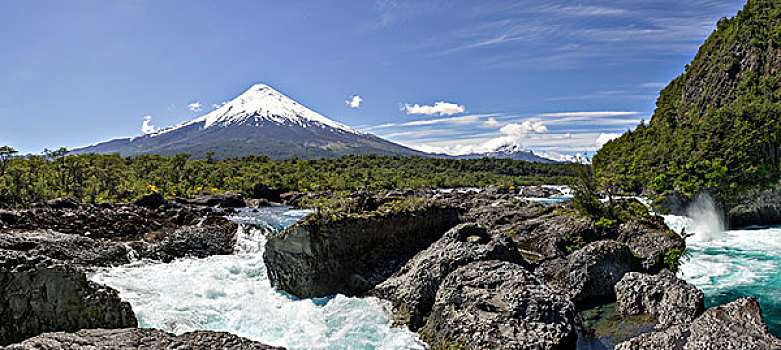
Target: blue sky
554, 75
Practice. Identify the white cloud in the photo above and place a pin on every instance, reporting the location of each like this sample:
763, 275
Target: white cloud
146, 125
218, 105
524, 128
492, 122
195, 106
603, 138
512, 136
440, 108
354, 101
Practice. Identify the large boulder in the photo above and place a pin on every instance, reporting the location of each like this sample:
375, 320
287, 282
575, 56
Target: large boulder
650, 239
413, 288
670, 299
499, 305
737, 325
41, 295
215, 238
152, 201
589, 274
351, 254
136, 338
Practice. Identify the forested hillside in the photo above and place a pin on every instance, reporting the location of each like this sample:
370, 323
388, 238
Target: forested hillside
717, 127
111, 178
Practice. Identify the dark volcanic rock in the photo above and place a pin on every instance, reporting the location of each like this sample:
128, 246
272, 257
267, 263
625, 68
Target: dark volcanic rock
224, 200
152, 201
499, 305
757, 207
135, 338
199, 242
537, 191
670, 299
737, 325
73, 249
40, 295
319, 257
59, 203
591, 272
413, 288
261, 191
651, 239
105, 221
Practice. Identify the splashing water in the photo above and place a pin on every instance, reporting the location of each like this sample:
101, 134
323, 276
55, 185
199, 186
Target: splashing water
728, 265
232, 293
707, 223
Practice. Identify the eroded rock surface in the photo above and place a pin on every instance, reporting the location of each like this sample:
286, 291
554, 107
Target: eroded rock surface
591, 272
73, 249
413, 288
500, 305
42, 295
737, 325
670, 299
135, 338
315, 258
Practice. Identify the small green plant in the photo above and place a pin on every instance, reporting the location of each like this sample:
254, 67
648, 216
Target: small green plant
605, 224
573, 243
672, 258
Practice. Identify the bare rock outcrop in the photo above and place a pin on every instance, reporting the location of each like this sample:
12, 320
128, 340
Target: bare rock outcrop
500, 305
136, 338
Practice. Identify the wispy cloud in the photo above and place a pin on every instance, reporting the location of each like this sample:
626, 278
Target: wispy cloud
564, 132
533, 33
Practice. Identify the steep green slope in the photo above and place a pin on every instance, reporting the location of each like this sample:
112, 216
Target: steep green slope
717, 127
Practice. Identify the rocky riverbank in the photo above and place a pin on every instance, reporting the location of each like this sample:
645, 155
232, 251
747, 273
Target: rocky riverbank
473, 269
45, 251
508, 274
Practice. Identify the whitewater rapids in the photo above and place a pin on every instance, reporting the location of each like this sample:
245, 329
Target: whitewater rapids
232, 293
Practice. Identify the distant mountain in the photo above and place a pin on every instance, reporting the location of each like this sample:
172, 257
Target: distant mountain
261, 121
515, 152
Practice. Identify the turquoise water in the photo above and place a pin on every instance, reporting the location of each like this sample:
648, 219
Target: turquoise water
232, 293
728, 265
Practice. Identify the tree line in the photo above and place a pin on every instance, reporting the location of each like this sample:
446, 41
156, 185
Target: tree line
98, 178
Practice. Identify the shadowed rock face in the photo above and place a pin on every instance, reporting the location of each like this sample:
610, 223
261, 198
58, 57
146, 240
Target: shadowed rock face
670, 299
134, 338
737, 325
589, 274
41, 295
413, 288
500, 305
350, 256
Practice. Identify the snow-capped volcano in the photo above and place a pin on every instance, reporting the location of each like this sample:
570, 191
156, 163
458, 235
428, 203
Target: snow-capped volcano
261, 103
260, 121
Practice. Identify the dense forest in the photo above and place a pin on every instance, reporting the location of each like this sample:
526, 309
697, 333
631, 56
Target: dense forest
112, 178
717, 127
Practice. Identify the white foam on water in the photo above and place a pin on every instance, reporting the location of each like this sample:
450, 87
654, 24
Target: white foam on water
728, 265
232, 293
